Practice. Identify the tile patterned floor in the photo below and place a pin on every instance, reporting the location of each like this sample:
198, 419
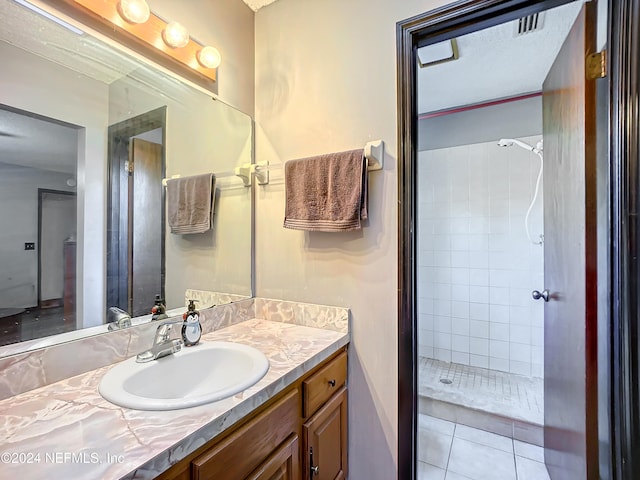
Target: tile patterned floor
502, 393
450, 451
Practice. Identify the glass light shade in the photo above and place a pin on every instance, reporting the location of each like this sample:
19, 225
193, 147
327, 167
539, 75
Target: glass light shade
134, 11
209, 57
175, 35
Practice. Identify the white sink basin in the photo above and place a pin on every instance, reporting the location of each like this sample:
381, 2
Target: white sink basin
193, 376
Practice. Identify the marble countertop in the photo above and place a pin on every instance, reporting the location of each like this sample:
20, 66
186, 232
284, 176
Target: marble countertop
67, 430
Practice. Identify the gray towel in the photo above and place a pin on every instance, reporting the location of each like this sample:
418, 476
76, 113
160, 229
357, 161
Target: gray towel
190, 203
326, 193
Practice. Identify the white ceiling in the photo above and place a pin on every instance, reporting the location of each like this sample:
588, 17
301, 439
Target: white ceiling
256, 5
494, 63
37, 143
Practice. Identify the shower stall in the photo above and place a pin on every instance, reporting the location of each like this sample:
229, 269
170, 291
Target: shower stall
480, 256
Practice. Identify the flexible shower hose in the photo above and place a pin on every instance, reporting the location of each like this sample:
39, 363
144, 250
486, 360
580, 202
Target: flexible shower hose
533, 201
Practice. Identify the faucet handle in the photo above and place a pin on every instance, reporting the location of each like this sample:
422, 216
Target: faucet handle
163, 332
160, 350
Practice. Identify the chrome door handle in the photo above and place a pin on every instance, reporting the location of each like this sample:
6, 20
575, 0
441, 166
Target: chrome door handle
540, 295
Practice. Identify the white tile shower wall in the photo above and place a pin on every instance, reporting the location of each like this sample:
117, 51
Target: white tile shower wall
476, 266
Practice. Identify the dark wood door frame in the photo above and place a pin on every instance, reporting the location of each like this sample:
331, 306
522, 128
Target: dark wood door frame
624, 153
622, 363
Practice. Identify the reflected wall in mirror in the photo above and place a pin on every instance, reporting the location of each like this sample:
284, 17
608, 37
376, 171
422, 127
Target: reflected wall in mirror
87, 134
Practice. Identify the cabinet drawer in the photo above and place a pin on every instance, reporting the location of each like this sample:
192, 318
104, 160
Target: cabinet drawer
319, 387
242, 452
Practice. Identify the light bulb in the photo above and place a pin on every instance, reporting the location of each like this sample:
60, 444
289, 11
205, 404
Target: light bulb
175, 35
209, 57
134, 11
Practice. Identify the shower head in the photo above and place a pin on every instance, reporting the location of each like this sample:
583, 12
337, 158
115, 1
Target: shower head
509, 142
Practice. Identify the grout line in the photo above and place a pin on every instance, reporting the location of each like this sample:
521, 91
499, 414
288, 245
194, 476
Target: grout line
453, 437
455, 426
484, 444
515, 463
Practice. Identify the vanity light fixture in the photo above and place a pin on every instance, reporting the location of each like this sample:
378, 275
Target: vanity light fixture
134, 11
209, 57
175, 35
131, 23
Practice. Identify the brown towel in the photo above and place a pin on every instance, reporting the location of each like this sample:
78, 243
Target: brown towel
190, 203
326, 193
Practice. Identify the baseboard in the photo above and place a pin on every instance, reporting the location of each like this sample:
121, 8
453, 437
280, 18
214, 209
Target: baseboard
52, 303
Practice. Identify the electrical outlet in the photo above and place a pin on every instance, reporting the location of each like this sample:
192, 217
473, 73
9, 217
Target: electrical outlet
29, 246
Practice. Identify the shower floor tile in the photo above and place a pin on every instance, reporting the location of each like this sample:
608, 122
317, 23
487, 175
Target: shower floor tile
500, 393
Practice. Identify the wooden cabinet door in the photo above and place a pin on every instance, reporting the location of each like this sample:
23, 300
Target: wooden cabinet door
246, 449
325, 441
283, 464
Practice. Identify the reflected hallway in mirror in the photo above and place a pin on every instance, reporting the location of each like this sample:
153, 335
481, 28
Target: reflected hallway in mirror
38, 207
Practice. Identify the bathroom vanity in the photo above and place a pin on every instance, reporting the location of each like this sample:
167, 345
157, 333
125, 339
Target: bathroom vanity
269, 430
292, 423
299, 432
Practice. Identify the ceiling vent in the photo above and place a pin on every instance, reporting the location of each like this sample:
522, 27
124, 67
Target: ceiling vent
529, 24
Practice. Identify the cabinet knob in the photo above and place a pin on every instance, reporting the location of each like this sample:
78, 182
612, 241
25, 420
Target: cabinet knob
332, 383
315, 470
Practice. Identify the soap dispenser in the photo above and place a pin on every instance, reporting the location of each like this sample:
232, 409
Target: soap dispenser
159, 310
191, 328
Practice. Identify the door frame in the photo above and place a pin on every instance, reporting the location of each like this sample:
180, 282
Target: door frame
619, 364
624, 162
41, 193
119, 136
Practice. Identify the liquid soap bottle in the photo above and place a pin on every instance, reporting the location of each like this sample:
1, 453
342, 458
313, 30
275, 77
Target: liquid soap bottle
159, 309
191, 328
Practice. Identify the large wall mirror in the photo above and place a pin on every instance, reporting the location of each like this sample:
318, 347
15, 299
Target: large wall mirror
88, 133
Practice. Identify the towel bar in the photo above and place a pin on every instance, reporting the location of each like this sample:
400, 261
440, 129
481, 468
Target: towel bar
243, 172
373, 152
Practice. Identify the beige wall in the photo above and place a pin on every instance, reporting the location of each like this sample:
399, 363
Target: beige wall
326, 81
228, 26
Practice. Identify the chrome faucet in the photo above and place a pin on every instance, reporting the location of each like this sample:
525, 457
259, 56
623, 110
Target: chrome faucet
117, 318
162, 343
